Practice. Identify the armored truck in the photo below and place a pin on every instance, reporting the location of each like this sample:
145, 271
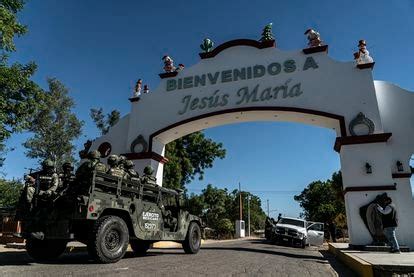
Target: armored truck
114, 213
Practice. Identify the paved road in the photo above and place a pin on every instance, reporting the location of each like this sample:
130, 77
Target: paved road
235, 258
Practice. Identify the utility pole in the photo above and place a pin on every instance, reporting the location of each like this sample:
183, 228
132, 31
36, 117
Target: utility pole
241, 203
268, 212
248, 215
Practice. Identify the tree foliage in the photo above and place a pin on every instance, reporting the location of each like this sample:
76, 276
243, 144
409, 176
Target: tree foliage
9, 192
188, 157
323, 201
9, 26
20, 97
104, 123
220, 209
54, 126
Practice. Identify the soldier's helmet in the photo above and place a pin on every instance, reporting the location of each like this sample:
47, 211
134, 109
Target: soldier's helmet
129, 164
48, 163
67, 165
113, 160
94, 154
148, 170
122, 160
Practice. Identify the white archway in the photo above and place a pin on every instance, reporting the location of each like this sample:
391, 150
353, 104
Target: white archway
246, 80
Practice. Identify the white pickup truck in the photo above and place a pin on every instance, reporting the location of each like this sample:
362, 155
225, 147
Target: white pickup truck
298, 231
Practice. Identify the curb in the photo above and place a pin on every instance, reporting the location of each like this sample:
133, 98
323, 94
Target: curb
359, 266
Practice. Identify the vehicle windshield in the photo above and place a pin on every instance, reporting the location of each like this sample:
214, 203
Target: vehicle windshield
291, 221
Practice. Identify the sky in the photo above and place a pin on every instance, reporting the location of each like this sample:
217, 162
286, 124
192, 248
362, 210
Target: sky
98, 49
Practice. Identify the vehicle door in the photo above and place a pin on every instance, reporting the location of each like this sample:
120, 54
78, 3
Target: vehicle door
315, 234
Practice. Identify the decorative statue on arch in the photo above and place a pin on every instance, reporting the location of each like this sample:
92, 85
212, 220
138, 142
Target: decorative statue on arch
314, 38
138, 87
168, 64
362, 56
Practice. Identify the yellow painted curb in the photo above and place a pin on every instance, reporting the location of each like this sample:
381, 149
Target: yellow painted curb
169, 244
358, 265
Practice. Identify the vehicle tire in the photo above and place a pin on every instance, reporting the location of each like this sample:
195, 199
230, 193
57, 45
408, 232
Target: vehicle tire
45, 250
192, 241
109, 238
303, 243
140, 247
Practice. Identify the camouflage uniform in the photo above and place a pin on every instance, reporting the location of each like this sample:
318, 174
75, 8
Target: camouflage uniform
48, 180
114, 169
121, 162
25, 205
131, 174
85, 172
66, 177
148, 178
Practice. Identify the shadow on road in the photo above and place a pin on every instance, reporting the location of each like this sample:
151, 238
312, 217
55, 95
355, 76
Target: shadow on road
264, 251
339, 267
81, 257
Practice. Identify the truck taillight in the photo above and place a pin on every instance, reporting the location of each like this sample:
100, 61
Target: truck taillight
91, 208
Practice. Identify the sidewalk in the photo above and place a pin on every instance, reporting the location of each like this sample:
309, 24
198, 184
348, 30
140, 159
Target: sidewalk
370, 263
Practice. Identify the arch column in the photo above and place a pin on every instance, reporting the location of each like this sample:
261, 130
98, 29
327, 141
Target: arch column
361, 187
154, 158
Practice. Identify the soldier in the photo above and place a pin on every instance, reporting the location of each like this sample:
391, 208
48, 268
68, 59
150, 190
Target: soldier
131, 174
121, 162
85, 172
66, 177
48, 180
92, 163
114, 168
25, 201
148, 178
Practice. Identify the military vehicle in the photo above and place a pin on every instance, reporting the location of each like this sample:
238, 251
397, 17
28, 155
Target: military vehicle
116, 212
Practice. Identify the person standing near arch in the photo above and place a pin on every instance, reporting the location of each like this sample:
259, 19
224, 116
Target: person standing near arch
389, 223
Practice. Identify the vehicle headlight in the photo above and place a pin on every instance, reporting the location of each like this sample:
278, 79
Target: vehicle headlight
301, 235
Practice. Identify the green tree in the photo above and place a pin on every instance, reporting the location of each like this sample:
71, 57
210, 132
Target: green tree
9, 26
195, 204
20, 97
323, 201
257, 215
54, 126
220, 209
10, 192
188, 157
102, 123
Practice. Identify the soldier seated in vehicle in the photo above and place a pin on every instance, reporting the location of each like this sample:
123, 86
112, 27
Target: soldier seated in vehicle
147, 178
114, 166
48, 181
66, 178
85, 171
168, 204
131, 174
121, 162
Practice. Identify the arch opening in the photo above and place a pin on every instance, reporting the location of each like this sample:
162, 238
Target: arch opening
253, 114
